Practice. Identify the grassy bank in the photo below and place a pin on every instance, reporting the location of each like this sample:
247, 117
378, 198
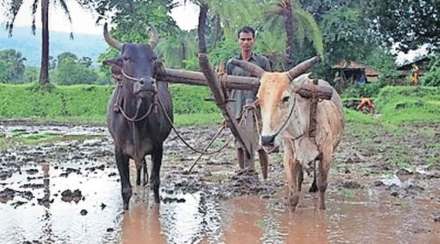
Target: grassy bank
405, 104
88, 104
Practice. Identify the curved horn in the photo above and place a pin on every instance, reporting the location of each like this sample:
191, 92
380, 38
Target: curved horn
110, 40
302, 67
254, 69
153, 35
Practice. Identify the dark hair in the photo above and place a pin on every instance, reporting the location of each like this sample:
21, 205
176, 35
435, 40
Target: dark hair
246, 29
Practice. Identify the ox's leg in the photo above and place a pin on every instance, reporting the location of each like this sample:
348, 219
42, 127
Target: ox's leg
240, 157
144, 163
138, 172
300, 174
313, 187
156, 158
323, 169
264, 162
291, 169
141, 167
124, 173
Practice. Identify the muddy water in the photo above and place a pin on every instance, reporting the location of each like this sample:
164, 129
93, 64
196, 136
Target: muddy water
40, 211
366, 217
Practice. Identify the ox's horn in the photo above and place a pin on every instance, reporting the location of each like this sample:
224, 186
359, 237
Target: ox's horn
254, 69
302, 67
110, 40
153, 35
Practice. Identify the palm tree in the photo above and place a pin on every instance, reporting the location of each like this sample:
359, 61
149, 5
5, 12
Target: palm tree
178, 48
13, 8
298, 25
279, 23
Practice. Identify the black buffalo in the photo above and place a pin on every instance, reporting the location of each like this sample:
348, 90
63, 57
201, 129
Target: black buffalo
138, 126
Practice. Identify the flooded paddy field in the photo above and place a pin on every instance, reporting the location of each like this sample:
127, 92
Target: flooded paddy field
59, 184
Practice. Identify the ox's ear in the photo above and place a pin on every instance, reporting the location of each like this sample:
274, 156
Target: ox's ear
116, 66
113, 62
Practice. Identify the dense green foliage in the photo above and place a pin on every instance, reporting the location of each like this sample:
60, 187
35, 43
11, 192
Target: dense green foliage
71, 70
432, 76
410, 23
11, 66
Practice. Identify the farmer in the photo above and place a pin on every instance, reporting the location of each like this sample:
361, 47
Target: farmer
246, 41
415, 75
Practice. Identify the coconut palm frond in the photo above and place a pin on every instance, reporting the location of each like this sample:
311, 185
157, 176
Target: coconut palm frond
313, 32
66, 10
12, 12
300, 34
67, 13
34, 11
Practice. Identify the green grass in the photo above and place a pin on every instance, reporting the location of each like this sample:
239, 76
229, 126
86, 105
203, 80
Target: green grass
405, 104
353, 116
88, 104
23, 138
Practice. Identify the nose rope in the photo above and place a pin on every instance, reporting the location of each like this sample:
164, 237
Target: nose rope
134, 118
286, 122
129, 77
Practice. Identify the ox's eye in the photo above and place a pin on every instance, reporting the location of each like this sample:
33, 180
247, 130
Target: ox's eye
286, 99
126, 59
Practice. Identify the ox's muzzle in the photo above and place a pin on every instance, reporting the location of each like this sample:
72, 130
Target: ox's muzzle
145, 86
268, 141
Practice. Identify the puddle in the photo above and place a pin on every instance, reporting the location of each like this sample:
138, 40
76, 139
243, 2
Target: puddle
75, 198
366, 217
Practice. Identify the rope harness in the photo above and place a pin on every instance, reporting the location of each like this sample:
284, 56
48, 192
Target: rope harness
158, 103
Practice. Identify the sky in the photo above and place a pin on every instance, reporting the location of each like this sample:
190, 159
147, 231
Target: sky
186, 17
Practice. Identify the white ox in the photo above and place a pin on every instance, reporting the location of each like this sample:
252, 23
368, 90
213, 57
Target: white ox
285, 117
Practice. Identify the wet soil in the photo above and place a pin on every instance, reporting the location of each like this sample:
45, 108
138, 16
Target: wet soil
384, 187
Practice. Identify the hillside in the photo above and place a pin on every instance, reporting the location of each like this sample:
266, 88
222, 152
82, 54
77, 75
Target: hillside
30, 45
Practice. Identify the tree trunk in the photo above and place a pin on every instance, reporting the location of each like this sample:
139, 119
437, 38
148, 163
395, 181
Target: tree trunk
182, 62
290, 31
44, 69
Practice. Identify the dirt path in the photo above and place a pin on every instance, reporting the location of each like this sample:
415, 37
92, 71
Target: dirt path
384, 187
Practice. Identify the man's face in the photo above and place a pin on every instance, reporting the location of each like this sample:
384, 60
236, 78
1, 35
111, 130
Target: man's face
246, 41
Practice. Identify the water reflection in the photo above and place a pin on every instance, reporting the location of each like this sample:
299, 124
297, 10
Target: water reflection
366, 217
141, 225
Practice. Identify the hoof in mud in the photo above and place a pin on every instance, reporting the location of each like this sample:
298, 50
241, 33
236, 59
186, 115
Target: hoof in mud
126, 206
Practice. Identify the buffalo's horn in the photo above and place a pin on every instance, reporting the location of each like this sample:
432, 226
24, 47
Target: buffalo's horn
110, 40
302, 67
254, 69
153, 35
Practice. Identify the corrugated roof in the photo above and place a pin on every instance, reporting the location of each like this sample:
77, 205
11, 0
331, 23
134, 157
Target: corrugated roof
344, 64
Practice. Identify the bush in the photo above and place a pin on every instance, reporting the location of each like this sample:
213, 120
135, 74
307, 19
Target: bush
432, 76
69, 71
367, 90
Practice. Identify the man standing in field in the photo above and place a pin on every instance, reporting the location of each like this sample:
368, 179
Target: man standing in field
246, 41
